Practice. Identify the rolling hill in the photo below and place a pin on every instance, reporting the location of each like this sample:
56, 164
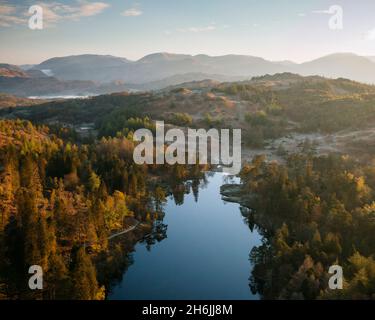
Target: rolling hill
99, 74
159, 66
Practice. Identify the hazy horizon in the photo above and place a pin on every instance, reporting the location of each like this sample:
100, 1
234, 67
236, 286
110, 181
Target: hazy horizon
273, 30
184, 53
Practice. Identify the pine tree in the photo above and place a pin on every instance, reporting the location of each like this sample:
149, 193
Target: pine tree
85, 285
94, 182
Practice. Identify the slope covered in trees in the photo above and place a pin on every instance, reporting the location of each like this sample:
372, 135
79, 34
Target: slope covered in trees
314, 212
265, 107
60, 202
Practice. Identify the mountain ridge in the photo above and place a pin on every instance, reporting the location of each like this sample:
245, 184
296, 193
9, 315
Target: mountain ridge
95, 74
161, 65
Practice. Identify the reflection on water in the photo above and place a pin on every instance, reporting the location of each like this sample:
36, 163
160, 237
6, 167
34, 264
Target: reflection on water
203, 251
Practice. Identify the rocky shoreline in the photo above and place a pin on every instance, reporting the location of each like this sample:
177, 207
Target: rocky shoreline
234, 193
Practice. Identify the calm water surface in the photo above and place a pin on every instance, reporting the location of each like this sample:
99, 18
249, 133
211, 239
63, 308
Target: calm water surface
205, 254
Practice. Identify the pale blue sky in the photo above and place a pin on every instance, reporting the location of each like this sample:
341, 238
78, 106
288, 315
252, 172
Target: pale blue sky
272, 29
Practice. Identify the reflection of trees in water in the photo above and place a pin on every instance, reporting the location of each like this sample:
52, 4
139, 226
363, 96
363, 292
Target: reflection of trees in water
195, 189
114, 263
178, 193
158, 234
261, 257
248, 217
121, 257
261, 275
179, 190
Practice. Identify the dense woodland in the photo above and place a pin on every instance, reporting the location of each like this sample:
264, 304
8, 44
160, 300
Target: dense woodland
314, 212
59, 203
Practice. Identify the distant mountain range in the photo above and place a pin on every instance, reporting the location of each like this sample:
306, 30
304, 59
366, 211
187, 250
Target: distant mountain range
103, 73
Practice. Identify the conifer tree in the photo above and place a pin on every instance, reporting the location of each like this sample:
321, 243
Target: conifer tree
85, 285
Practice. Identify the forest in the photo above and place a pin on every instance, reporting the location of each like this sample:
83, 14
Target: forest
314, 212
60, 202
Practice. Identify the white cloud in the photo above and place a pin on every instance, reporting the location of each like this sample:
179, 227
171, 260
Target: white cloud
321, 11
6, 9
370, 35
132, 12
8, 16
92, 9
301, 14
197, 29
53, 12
7, 21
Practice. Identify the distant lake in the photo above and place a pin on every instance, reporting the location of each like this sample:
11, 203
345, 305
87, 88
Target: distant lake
205, 254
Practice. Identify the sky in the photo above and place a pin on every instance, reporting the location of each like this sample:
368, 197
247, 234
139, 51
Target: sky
273, 29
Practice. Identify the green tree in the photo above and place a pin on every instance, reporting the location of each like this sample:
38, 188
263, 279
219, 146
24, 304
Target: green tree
85, 285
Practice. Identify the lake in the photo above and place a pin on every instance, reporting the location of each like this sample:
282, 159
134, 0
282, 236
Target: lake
205, 254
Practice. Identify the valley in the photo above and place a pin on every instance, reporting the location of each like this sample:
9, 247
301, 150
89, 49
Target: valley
187, 157
307, 163
269, 111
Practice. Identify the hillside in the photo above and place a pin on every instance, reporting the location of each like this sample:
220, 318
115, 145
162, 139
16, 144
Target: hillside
11, 71
7, 101
284, 109
27, 86
84, 67
158, 66
33, 82
345, 65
